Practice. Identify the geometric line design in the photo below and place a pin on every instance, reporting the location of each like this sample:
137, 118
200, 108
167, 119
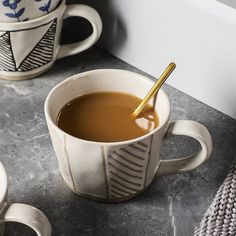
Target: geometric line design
29, 38
62, 157
7, 62
149, 158
2, 33
105, 169
42, 53
126, 169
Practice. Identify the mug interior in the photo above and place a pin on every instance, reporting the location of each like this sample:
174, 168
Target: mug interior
3, 185
111, 80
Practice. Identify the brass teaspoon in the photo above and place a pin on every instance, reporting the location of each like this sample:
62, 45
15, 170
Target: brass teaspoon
155, 88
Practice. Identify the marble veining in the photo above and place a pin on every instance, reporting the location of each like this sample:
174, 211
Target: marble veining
171, 206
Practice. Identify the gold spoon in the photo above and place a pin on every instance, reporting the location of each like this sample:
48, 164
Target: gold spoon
155, 88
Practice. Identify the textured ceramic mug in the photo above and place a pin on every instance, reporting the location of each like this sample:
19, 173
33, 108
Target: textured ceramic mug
117, 171
23, 10
20, 213
29, 48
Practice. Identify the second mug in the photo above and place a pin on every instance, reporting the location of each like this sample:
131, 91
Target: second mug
19, 212
29, 48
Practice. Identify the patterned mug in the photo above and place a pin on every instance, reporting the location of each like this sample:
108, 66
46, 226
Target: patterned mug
20, 213
29, 48
23, 10
117, 171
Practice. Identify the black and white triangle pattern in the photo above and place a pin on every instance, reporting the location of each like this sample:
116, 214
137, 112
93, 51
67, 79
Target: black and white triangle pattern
42, 52
40, 55
6, 56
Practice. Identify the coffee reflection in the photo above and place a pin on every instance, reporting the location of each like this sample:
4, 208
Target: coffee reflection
106, 117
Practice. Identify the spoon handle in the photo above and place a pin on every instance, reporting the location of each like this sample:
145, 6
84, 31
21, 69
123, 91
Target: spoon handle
154, 88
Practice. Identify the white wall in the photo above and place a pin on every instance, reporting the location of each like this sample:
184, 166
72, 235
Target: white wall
199, 35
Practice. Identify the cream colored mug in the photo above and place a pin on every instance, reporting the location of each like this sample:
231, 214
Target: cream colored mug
29, 48
117, 171
20, 213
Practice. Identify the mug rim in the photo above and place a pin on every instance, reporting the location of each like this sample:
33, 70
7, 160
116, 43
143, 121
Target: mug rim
41, 18
80, 75
3, 186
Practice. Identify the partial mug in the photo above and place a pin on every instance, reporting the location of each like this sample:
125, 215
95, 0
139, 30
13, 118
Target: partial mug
29, 48
24, 10
20, 213
118, 171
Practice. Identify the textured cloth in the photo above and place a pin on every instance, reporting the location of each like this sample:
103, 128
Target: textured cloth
220, 218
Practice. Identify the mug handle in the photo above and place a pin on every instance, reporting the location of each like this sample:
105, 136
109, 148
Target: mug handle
27, 215
191, 129
93, 17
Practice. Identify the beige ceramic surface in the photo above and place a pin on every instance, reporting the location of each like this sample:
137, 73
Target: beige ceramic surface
21, 213
117, 171
29, 48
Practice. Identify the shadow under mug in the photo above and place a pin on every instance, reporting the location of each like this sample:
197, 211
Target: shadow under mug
29, 48
118, 171
20, 213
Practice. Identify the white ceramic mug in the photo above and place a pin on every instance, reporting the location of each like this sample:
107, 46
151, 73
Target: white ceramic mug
23, 10
20, 213
117, 171
29, 48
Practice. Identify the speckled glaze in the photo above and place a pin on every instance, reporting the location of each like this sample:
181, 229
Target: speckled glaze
118, 171
21, 213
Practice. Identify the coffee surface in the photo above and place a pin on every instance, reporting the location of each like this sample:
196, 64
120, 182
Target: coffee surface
106, 117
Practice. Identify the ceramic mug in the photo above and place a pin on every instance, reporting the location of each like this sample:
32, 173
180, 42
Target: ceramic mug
29, 48
23, 10
20, 213
117, 171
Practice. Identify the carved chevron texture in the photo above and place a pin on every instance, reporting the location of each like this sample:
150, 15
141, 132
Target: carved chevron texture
43, 51
6, 57
40, 55
126, 169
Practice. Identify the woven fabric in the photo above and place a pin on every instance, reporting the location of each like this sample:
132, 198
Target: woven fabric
220, 218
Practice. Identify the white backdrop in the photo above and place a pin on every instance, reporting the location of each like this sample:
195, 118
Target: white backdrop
199, 35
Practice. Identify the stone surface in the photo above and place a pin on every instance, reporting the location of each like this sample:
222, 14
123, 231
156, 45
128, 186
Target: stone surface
173, 205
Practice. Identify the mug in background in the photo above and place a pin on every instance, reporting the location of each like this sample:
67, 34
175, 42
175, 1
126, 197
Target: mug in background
23, 10
117, 171
20, 213
29, 48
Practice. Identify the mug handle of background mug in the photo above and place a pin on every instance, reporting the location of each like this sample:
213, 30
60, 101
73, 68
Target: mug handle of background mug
93, 17
27, 215
192, 129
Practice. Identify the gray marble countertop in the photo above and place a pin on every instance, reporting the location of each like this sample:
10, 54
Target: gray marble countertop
173, 205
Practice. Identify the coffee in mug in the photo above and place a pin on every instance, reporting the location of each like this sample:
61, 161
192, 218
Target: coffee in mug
106, 117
